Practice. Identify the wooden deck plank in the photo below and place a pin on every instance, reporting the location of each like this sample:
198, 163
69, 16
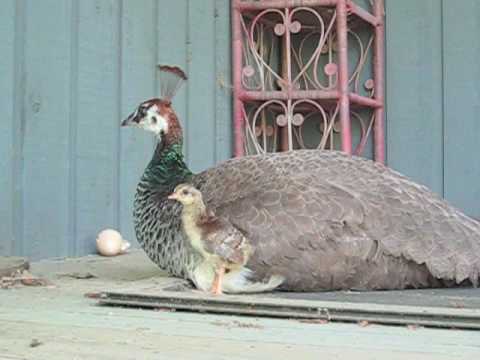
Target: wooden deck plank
70, 326
66, 342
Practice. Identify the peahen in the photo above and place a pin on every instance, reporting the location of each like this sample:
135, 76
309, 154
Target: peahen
318, 220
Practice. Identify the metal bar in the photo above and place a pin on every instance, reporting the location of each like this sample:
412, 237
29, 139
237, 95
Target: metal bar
297, 94
266, 22
288, 53
238, 119
364, 101
280, 4
379, 78
344, 103
362, 13
284, 130
296, 308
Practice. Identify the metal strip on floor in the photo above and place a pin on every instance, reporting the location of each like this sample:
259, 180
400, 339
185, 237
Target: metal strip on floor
299, 308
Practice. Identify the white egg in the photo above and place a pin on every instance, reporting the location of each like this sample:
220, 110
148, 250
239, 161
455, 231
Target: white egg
111, 243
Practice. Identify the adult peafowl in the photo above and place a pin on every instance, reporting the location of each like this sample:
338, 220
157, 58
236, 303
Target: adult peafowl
318, 220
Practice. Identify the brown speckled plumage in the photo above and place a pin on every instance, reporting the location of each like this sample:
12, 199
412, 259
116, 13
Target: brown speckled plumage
225, 240
325, 220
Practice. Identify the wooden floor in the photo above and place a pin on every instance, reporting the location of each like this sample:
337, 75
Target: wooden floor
59, 322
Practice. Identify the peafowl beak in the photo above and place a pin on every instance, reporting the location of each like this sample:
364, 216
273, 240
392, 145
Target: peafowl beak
173, 196
132, 119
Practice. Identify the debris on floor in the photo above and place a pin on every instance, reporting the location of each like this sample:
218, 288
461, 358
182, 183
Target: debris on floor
93, 295
11, 264
35, 343
363, 323
79, 275
14, 272
22, 277
413, 327
237, 324
314, 321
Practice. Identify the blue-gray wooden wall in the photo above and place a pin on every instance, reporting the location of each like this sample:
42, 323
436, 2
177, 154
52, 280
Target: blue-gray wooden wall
433, 96
71, 70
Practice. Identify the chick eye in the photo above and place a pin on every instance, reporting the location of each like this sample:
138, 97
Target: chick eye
154, 120
185, 192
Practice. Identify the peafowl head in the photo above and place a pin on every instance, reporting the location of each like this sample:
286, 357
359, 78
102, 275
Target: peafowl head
157, 115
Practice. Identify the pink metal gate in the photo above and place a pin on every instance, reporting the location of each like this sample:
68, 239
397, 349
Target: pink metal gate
292, 72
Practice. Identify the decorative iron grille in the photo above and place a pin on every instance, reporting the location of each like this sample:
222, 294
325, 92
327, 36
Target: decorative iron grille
308, 74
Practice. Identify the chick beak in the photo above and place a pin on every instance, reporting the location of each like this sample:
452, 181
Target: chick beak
173, 196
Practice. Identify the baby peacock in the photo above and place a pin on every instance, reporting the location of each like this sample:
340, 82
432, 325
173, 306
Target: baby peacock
222, 245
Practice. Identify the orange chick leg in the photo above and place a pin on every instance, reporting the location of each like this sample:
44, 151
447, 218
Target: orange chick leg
217, 281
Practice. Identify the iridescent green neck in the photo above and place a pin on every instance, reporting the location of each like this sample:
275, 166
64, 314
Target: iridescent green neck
167, 167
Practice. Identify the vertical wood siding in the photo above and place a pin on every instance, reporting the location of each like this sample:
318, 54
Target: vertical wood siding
8, 147
461, 101
433, 96
414, 90
67, 169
